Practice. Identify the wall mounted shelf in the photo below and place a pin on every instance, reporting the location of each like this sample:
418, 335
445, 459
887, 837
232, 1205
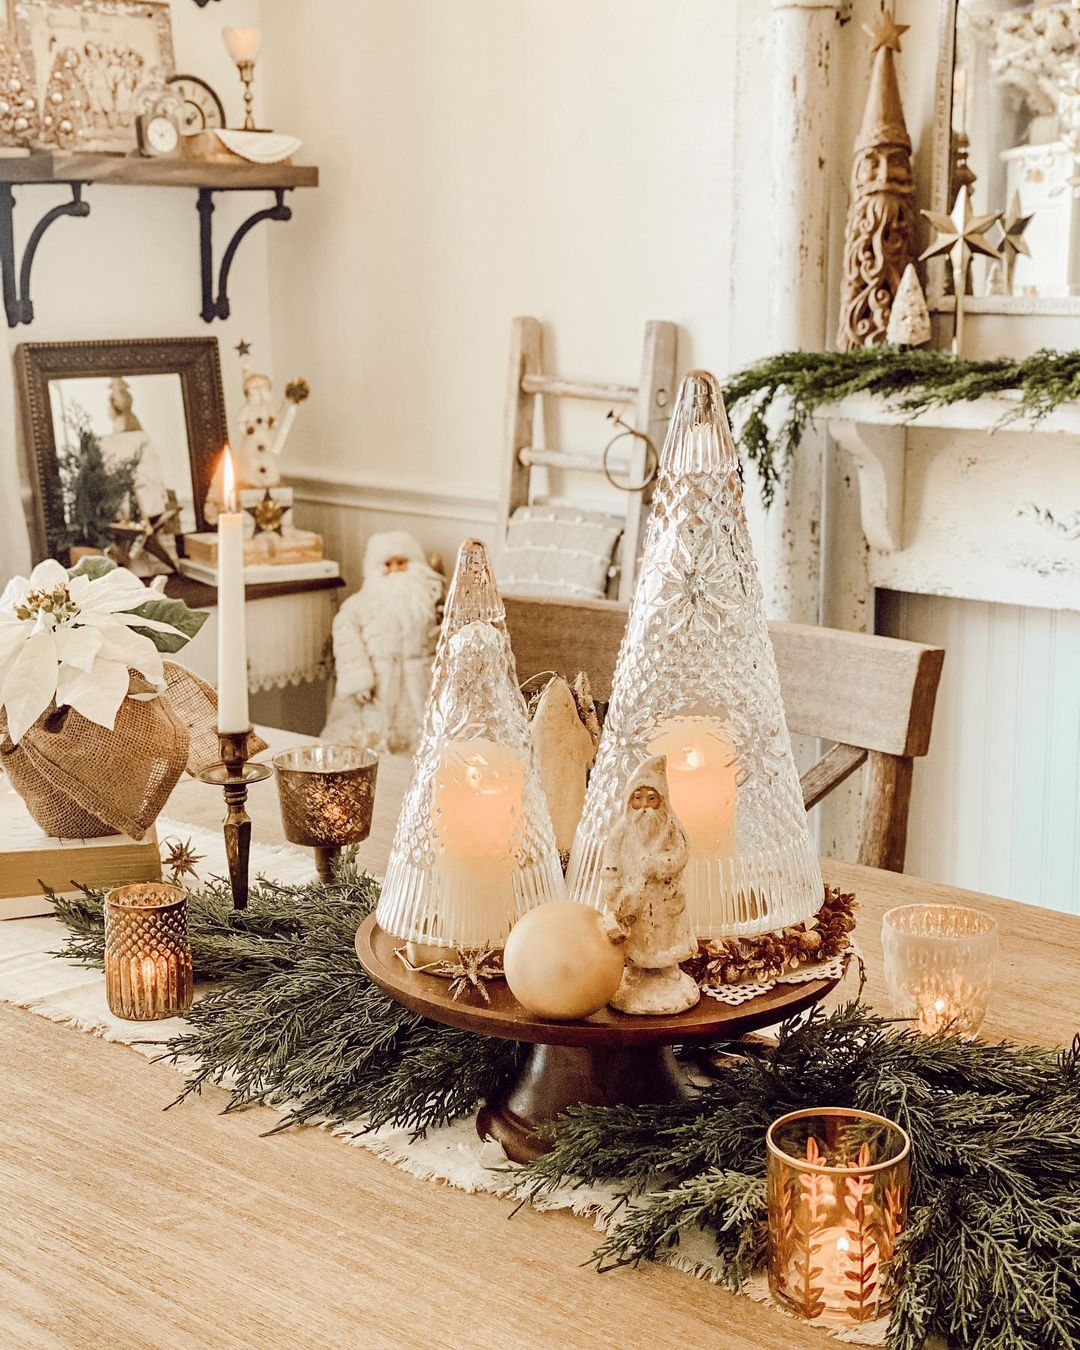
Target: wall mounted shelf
976, 500
78, 170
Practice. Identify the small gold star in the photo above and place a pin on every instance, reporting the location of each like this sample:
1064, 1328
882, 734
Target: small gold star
267, 514
1014, 225
961, 233
243, 348
181, 859
885, 32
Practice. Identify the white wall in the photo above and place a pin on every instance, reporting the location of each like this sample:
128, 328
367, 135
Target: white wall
131, 269
480, 160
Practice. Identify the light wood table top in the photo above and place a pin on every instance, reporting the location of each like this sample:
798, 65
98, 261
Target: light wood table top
134, 1228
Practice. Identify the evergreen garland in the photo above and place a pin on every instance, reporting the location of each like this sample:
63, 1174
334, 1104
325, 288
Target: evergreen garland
914, 378
991, 1256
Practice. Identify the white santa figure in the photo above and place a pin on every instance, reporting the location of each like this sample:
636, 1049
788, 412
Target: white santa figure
384, 641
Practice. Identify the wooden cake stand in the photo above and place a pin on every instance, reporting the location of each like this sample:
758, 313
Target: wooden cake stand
608, 1059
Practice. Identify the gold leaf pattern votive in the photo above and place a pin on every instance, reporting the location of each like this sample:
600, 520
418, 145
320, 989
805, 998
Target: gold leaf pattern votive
147, 954
837, 1202
327, 795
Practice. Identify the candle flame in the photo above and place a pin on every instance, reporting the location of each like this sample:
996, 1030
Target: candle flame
842, 1244
229, 481
939, 1005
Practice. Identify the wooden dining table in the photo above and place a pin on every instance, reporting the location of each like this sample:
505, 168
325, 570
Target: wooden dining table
126, 1225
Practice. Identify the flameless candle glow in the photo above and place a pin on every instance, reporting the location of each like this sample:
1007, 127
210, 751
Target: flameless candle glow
939, 965
232, 687
701, 775
242, 44
477, 801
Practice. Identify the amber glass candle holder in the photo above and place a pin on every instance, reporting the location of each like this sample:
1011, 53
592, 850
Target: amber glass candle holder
147, 953
327, 795
939, 965
837, 1202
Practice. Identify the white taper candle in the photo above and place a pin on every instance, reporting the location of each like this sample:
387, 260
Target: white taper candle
232, 691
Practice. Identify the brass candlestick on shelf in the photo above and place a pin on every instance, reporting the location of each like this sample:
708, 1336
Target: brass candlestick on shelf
244, 45
233, 774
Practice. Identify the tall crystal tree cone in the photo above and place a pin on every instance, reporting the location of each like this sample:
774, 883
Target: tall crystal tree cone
474, 847
696, 681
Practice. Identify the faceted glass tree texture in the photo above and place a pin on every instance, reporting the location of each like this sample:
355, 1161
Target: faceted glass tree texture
474, 847
696, 680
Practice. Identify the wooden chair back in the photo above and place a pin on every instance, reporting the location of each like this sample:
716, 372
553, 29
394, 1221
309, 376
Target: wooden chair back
871, 697
652, 397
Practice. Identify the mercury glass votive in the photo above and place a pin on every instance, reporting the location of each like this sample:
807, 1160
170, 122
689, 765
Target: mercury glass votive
327, 795
939, 965
837, 1202
147, 953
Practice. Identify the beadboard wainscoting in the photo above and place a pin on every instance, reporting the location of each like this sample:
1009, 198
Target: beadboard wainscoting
347, 509
996, 804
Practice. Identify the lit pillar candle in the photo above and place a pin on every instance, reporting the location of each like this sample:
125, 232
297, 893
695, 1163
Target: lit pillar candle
232, 687
477, 802
701, 769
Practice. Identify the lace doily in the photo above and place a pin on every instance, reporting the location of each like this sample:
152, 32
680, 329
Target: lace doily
734, 994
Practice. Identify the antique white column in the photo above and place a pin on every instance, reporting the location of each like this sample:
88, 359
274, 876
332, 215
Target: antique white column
803, 150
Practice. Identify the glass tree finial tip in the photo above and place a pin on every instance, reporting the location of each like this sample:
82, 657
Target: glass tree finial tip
699, 438
473, 593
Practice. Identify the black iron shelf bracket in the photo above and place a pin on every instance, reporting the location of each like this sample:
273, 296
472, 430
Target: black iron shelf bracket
216, 306
18, 306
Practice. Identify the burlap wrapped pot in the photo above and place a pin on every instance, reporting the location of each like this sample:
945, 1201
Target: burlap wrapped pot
81, 781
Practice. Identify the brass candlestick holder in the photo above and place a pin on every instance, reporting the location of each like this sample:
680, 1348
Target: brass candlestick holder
233, 774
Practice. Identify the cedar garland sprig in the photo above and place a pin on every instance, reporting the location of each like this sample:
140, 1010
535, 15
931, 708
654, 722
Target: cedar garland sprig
772, 401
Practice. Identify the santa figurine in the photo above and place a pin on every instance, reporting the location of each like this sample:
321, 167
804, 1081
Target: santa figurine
642, 887
384, 641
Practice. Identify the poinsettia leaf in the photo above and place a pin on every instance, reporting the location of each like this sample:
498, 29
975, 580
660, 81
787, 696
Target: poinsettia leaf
120, 643
174, 613
77, 646
48, 574
29, 684
96, 694
92, 567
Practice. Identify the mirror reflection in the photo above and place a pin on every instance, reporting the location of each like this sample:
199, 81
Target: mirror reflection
1016, 138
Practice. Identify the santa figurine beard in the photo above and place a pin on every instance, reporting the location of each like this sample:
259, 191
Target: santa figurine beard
384, 641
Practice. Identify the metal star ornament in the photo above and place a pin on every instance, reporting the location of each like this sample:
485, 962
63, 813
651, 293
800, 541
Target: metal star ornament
885, 32
960, 235
242, 348
181, 859
1013, 243
268, 515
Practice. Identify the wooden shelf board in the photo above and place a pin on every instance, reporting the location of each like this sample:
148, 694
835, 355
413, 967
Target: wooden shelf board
200, 595
137, 171
993, 412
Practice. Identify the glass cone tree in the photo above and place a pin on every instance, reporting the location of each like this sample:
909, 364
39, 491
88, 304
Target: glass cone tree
474, 847
696, 681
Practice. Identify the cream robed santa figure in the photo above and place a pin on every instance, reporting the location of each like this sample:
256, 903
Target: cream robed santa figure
384, 641
644, 859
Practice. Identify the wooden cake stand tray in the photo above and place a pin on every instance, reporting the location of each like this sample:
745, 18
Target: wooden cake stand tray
608, 1059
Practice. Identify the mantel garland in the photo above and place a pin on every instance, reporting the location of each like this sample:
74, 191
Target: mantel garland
991, 1259
798, 383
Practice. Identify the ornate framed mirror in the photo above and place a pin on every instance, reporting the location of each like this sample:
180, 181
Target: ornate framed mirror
1007, 119
156, 404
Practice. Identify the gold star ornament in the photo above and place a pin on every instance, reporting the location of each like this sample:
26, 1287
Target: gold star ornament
960, 234
885, 32
1013, 243
269, 515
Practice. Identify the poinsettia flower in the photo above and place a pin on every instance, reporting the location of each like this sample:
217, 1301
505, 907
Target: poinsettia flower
73, 636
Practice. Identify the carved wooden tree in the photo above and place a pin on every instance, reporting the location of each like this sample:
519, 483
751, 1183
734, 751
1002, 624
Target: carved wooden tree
880, 237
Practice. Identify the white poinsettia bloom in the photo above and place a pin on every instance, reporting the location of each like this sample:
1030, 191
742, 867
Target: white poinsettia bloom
70, 638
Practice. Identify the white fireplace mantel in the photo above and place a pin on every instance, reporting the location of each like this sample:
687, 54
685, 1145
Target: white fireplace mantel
974, 500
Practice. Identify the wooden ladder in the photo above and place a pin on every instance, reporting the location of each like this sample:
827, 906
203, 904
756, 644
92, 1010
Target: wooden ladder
652, 396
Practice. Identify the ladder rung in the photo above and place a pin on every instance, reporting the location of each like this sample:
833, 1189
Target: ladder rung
535, 455
559, 388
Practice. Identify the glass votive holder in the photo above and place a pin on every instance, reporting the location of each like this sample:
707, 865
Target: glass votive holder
939, 965
837, 1202
327, 796
147, 954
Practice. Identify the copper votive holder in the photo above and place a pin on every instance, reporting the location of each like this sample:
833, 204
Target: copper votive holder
147, 954
837, 1203
327, 795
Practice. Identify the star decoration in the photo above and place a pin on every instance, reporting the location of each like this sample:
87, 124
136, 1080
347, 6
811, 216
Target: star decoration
243, 348
181, 860
1013, 225
885, 32
268, 515
961, 233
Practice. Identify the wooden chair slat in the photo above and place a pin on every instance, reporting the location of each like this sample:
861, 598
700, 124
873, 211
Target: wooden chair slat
838, 763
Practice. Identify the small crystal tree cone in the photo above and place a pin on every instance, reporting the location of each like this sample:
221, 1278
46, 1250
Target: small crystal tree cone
696, 680
474, 847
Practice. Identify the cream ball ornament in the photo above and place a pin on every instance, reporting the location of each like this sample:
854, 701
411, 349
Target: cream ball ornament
560, 962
